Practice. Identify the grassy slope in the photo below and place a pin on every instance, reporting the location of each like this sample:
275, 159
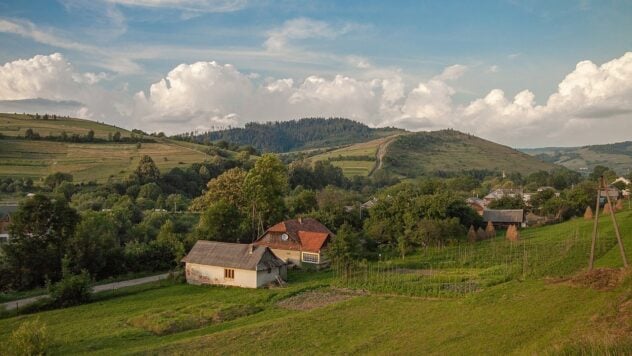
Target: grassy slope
366, 150
519, 317
453, 151
85, 161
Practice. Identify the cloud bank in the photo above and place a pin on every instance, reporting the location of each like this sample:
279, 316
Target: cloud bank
591, 102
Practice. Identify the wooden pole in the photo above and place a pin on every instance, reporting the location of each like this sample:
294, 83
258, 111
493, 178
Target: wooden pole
616, 227
594, 234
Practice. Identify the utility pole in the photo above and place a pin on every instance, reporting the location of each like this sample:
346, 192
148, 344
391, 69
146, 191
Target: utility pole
604, 187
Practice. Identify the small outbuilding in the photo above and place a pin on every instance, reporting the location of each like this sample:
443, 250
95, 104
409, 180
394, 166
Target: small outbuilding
232, 264
503, 218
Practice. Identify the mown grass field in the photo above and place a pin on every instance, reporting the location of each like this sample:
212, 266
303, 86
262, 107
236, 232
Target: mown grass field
89, 161
542, 313
13, 125
36, 159
364, 154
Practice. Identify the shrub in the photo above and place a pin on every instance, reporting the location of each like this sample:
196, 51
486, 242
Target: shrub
30, 338
72, 289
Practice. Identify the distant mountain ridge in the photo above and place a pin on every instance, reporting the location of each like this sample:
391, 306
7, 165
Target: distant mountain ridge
306, 133
617, 156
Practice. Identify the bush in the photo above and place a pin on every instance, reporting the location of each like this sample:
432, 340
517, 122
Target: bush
30, 338
72, 289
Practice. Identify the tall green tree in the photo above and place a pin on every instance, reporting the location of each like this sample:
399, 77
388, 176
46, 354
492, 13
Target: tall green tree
228, 186
95, 246
222, 221
39, 235
265, 186
146, 171
344, 249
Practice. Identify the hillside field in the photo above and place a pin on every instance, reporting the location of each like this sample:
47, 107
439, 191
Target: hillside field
557, 311
85, 161
355, 160
449, 151
12, 125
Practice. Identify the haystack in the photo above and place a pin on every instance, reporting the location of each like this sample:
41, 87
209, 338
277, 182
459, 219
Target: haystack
480, 234
588, 214
607, 208
489, 230
512, 233
471, 234
619, 206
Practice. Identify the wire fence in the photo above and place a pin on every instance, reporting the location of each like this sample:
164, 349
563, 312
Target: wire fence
468, 267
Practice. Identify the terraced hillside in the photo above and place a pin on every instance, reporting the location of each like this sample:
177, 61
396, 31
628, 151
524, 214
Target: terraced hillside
449, 151
85, 161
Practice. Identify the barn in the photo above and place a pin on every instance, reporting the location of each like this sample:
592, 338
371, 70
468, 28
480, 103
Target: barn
232, 264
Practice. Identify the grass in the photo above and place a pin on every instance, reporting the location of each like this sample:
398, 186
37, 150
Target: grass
452, 151
525, 314
89, 162
13, 125
364, 153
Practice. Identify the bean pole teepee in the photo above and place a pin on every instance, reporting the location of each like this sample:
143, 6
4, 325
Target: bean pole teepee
603, 189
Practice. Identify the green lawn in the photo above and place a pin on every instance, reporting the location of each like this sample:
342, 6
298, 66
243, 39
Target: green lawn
528, 314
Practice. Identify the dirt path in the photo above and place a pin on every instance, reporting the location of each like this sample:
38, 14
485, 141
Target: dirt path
381, 152
96, 289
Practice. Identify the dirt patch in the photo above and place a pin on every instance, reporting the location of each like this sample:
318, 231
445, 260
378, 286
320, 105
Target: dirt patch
600, 278
317, 299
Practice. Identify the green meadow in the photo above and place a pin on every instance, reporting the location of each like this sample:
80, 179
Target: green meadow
35, 159
547, 306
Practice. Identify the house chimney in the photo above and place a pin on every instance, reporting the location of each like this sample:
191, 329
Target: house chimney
300, 220
251, 249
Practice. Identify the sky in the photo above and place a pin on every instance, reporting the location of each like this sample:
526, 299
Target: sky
521, 73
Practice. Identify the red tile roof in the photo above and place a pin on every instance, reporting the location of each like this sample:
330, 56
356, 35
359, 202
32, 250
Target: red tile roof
312, 241
305, 234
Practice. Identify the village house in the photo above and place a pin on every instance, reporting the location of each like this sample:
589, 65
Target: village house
297, 241
501, 193
503, 218
476, 204
233, 264
5, 220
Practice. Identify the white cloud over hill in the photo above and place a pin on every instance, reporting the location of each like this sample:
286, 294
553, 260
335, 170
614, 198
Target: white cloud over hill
593, 103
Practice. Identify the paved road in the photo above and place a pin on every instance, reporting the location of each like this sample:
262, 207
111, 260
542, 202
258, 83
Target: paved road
96, 289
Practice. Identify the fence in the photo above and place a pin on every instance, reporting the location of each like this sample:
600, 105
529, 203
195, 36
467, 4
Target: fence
468, 267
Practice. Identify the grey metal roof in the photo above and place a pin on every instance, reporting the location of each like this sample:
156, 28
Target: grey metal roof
503, 215
232, 255
7, 210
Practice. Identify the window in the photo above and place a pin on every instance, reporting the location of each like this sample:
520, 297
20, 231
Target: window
229, 273
310, 257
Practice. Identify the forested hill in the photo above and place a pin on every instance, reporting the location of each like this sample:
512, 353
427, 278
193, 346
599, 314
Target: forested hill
300, 134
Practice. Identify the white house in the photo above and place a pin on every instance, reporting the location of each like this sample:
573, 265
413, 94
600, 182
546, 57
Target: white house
231, 264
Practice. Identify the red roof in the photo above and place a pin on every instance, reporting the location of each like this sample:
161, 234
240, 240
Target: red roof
312, 241
303, 235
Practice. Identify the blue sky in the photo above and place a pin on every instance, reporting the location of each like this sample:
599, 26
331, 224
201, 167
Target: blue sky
179, 65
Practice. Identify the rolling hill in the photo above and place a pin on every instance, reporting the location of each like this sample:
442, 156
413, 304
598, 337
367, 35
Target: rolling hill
431, 153
300, 134
617, 156
85, 161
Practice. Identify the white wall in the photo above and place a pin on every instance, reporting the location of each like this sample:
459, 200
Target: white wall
203, 274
